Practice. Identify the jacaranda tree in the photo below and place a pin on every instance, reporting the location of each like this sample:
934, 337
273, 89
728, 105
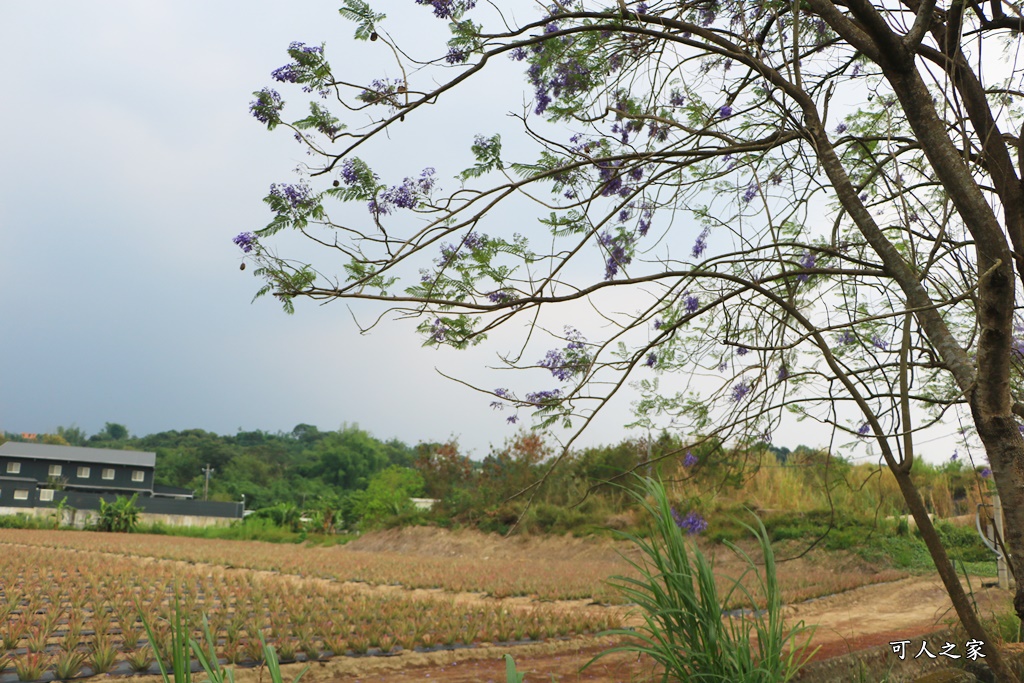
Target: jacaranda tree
813, 207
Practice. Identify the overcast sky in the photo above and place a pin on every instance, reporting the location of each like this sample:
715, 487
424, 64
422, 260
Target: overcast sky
130, 161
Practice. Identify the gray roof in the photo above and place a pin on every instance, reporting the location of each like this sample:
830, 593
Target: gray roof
94, 456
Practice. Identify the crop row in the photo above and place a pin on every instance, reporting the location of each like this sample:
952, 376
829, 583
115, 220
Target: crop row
549, 579
498, 577
63, 610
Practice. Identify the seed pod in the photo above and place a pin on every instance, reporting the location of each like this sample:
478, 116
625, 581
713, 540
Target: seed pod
336, 183
373, 36
402, 117
242, 266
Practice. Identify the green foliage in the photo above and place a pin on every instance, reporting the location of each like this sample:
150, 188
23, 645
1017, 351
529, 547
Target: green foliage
183, 647
387, 495
121, 516
678, 598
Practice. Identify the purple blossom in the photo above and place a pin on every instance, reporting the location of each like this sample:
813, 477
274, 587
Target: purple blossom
512, 419
864, 196
691, 303
497, 405
447, 9
701, 244
499, 297
986, 473
246, 241
841, 128
676, 98
541, 397
751, 192
693, 523
846, 337
641, 8
955, 456
404, 196
267, 106
555, 362
501, 393
652, 359
742, 350
298, 196
879, 343
658, 323
690, 460
616, 247
438, 331
807, 262
783, 374
518, 54
725, 112
456, 56
864, 429
740, 390
348, 172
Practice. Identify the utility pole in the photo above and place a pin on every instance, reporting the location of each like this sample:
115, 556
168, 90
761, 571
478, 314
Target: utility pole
206, 486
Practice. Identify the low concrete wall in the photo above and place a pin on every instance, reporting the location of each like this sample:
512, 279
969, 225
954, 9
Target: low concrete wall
82, 518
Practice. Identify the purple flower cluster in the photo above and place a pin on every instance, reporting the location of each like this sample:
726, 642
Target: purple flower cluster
701, 244
456, 56
879, 343
676, 98
986, 473
783, 373
566, 77
751, 192
448, 9
246, 241
864, 429
846, 337
573, 360
841, 128
438, 331
298, 196
499, 297
652, 359
693, 523
690, 460
742, 350
807, 262
691, 303
538, 398
349, 173
267, 106
725, 112
404, 196
740, 391
617, 247
955, 456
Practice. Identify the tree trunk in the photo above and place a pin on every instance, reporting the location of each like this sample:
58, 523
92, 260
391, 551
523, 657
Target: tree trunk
961, 603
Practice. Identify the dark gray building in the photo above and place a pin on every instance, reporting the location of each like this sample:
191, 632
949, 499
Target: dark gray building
41, 475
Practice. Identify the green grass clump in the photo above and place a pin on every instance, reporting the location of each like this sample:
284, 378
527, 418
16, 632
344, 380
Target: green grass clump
677, 596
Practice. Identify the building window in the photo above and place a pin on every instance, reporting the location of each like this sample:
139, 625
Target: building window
46, 495
14, 468
108, 472
83, 472
55, 470
20, 495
